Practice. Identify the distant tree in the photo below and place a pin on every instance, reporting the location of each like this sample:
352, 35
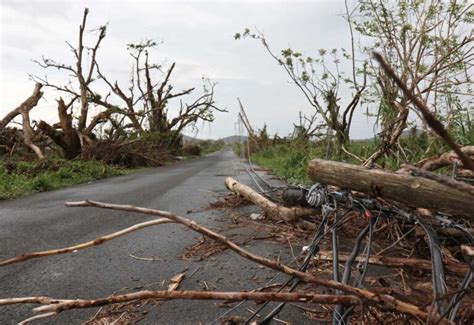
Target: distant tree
320, 79
153, 97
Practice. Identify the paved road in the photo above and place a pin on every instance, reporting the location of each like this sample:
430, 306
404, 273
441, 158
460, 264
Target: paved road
40, 222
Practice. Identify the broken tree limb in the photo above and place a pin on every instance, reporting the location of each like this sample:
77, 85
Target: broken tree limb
428, 117
410, 190
37, 317
384, 301
31, 300
448, 181
24, 109
28, 104
58, 305
97, 241
388, 261
446, 159
272, 209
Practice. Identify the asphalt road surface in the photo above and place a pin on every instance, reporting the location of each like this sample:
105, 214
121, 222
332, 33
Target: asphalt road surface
41, 222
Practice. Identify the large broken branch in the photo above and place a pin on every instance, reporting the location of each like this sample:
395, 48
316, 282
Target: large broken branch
29, 103
389, 261
97, 241
410, 190
446, 159
272, 209
54, 306
448, 181
24, 109
429, 118
62, 305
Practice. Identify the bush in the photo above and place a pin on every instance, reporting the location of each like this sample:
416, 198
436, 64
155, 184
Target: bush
191, 150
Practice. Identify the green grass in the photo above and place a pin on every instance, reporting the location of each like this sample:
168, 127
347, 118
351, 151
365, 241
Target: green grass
19, 178
289, 160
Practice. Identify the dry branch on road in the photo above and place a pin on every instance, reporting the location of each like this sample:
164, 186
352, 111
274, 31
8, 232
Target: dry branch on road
353, 295
272, 209
382, 300
58, 305
95, 242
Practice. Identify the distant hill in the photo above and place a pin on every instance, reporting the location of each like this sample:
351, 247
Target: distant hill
234, 139
188, 139
227, 140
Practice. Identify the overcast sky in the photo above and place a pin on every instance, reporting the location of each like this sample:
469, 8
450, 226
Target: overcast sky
197, 35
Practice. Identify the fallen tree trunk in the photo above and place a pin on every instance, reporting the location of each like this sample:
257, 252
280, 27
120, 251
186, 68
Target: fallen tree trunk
272, 209
410, 190
388, 261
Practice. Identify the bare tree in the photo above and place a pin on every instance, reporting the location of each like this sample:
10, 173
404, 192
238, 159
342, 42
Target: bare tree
153, 97
145, 107
83, 72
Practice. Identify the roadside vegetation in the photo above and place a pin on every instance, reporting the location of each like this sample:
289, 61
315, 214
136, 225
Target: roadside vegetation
289, 158
18, 178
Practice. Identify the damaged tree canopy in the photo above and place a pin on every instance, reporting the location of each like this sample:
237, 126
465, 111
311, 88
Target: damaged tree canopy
410, 190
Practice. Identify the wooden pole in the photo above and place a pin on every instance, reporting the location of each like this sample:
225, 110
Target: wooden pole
410, 190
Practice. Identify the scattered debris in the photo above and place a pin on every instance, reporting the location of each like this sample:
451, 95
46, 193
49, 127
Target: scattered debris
228, 201
204, 249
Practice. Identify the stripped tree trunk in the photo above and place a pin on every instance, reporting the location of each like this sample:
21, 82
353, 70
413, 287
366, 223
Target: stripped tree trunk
68, 139
272, 209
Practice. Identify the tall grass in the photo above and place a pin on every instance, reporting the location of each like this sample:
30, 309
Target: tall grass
289, 160
18, 178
